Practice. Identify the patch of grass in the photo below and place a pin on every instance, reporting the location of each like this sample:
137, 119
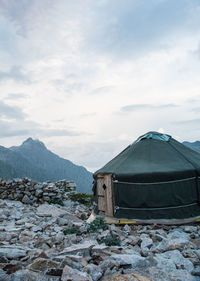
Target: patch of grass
82, 198
72, 230
111, 241
56, 201
97, 224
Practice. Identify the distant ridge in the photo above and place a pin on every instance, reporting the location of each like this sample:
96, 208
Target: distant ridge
193, 145
32, 159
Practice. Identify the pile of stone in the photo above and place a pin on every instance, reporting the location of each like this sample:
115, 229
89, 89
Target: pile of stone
51, 242
29, 192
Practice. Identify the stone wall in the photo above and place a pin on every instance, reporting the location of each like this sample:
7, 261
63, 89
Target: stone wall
29, 192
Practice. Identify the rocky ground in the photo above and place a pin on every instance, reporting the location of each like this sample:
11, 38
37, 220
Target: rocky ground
50, 242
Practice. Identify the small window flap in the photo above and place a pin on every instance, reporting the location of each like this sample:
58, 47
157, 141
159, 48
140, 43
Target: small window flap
154, 136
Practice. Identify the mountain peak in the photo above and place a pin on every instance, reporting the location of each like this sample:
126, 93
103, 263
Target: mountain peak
31, 142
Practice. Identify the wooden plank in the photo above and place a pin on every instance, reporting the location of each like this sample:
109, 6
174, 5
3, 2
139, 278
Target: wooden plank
109, 195
101, 194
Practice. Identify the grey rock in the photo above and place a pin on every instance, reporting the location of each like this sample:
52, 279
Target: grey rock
73, 274
178, 234
127, 228
74, 261
171, 244
38, 192
26, 199
36, 228
146, 244
12, 252
179, 261
164, 263
94, 271
83, 247
62, 221
182, 275
42, 264
4, 276
196, 271
132, 260
189, 228
27, 275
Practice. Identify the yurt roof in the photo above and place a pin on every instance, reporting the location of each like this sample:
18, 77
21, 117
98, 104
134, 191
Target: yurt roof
153, 157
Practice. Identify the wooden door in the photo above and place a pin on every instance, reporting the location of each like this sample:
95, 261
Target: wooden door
105, 194
101, 193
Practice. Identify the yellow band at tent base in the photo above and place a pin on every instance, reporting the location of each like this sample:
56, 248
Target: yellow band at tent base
122, 221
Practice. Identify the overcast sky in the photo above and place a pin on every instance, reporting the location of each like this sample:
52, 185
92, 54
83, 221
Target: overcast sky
87, 77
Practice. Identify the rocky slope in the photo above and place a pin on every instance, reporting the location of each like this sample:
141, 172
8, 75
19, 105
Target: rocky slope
32, 159
49, 242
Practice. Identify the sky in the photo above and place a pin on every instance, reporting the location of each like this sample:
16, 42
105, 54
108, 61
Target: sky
87, 77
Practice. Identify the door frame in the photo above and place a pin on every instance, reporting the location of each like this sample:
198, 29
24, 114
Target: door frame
105, 194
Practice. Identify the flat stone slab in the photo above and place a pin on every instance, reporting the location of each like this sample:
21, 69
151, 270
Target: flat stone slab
53, 211
11, 252
41, 264
78, 248
49, 210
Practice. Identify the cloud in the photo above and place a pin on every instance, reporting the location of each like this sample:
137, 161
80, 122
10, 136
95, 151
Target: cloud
197, 52
195, 122
102, 90
195, 99
69, 87
26, 128
11, 112
138, 107
196, 109
12, 129
89, 59
15, 96
95, 154
85, 115
57, 132
15, 73
132, 28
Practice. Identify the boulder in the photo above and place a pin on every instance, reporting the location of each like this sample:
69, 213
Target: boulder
74, 274
42, 264
175, 257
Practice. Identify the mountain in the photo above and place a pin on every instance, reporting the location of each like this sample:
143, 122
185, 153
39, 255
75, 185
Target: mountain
193, 145
32, 159
7, 170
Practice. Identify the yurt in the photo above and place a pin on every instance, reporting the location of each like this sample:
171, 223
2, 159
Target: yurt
155, 179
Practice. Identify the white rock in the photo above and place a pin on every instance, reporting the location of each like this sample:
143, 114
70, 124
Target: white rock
127, 228
133, 260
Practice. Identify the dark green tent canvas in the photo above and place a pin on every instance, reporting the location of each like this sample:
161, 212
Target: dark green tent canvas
156, 177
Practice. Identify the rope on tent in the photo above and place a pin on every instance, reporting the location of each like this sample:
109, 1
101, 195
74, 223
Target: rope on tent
163, 208
152, 183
